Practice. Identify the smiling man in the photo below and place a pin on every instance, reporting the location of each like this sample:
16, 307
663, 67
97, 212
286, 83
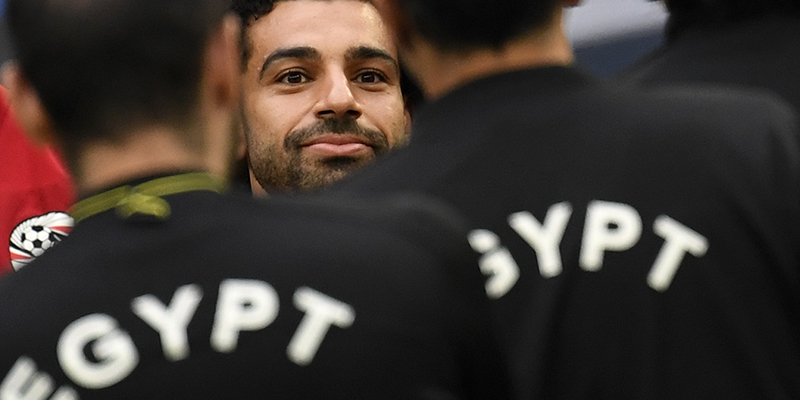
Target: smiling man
162, 291
321, 91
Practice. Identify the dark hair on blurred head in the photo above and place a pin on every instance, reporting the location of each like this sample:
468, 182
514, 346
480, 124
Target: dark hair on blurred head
688, 13
469, 24
103, 68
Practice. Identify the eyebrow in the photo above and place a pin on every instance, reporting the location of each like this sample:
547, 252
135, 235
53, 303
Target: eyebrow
367, 53
307, 53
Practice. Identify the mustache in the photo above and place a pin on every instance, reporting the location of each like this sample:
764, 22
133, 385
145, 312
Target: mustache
339, 126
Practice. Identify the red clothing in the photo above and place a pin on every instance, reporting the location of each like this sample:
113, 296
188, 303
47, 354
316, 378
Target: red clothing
33, 181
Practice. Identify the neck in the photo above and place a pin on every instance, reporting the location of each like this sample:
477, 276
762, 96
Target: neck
440, 72
144, 152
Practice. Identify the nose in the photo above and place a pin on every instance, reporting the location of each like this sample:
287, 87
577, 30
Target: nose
337, 99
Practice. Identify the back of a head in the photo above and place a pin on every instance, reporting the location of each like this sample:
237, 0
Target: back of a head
687, 13
106, 67
469, 24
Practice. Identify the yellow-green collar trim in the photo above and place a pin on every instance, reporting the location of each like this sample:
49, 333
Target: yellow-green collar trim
145, 198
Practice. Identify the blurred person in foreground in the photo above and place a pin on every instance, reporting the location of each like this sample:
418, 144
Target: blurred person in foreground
35, 193
639, 244
321, 91
741, 43
167, 289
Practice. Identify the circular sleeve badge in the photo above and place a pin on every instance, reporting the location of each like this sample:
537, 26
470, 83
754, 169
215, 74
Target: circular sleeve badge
34, 236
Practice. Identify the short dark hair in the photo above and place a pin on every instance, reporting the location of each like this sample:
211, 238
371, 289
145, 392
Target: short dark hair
251, 10
469, 24
103, 68
688, 13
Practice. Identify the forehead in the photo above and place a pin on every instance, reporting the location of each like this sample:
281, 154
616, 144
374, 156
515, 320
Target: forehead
330, 26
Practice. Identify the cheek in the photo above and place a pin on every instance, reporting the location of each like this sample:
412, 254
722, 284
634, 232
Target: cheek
269, 120
283, 113
391, 120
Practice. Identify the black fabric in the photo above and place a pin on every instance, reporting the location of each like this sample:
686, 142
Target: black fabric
582, 320
762, 53
402, 264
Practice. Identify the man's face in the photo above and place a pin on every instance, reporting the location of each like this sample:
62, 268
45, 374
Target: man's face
321, 93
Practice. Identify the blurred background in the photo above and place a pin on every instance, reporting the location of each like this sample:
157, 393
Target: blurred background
607, 34
5, 49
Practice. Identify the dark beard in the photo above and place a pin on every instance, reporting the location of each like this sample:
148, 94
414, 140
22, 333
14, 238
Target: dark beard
299, 173
339, 126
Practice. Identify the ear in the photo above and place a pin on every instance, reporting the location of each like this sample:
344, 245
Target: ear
27, 106
218, 102
221, 68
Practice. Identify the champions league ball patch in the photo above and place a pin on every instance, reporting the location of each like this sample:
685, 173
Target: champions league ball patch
35, 235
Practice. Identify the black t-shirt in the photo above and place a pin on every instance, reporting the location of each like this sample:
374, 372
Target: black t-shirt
638, 245
190, 295
762, 53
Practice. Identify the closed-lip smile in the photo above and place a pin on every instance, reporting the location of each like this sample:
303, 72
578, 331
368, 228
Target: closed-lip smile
338, 145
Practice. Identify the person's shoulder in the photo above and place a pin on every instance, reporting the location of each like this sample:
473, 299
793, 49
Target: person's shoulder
705, 106
34, 288
721, 96
406, 240
419, 218
430, 226
731, 131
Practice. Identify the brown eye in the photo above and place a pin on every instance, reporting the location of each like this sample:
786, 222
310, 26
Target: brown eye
370, 77
294, 78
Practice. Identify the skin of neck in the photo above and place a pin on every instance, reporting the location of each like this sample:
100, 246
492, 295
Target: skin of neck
208, 143
256, 187
145, 152
439, 72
